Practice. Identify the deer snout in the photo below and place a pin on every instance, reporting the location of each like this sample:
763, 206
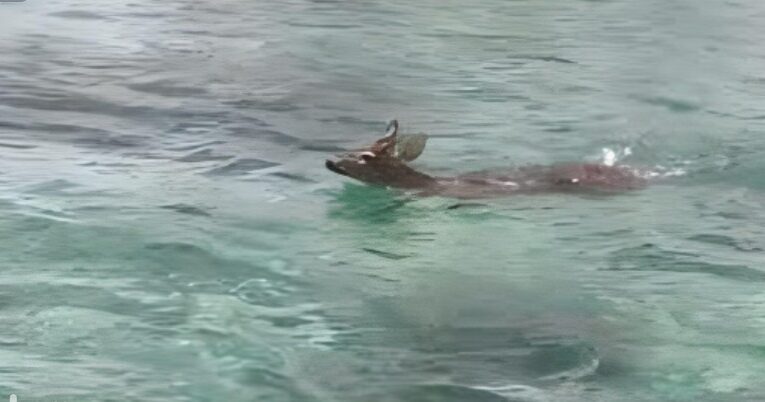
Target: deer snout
331, 165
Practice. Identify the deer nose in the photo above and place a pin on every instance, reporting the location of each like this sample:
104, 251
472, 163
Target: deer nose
331, 165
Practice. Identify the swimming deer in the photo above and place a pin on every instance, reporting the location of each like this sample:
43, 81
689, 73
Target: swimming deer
384, 163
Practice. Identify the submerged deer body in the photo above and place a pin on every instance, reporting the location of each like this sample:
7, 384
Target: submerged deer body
384, 163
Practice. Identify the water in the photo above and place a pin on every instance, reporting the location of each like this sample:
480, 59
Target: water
169, 232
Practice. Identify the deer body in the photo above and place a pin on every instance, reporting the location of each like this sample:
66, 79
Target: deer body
384, 163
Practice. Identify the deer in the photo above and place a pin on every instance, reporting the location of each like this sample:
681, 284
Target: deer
385, 163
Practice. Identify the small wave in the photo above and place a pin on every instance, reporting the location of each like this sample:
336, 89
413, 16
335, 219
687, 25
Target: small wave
186, 209
205, 155
16, 146
652, 258
444, 393
194, 146
293, 177
79, 15
674, 105
167, 88
241, 167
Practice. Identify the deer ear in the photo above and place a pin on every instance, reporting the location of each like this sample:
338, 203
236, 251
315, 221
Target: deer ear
410, 146
384, 146
392, 129
387, 144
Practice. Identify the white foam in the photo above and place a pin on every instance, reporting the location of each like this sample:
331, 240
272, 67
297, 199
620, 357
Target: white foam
609, 157
503, 182
660, 171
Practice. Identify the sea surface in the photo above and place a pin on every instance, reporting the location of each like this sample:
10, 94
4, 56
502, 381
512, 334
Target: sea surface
168, 231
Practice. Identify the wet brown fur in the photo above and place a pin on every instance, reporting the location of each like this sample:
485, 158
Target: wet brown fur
378, 164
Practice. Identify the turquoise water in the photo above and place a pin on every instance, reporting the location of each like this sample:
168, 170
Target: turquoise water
169, 232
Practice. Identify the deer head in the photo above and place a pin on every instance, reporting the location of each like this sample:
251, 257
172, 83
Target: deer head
384, 162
